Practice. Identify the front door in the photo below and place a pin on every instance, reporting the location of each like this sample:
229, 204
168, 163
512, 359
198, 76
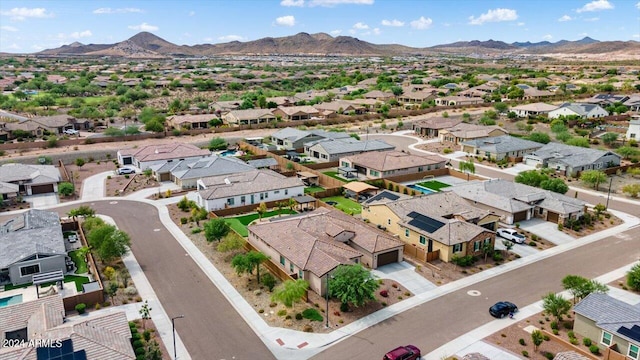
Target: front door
252, 202
430, 246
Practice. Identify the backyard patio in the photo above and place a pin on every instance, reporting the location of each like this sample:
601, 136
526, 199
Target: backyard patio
239, 223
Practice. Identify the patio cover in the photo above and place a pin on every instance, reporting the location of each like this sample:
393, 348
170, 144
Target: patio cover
358, 187
304, 199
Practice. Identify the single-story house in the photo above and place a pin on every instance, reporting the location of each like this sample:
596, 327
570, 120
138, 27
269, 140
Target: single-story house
292, 138
582, 110
37, 126
417, 97
340, 107
186, 173
500, 147
633, 103
431, 127
266, 163
375, 165
295, 113
8, 190
442, 222
327, 150
249, 187
312, 245
570, 160
379, 95
249, 117
465, 132
612, 324
458, 100
144, 157
515, 202
190, 121
99, 336
31, 243
31, 179
633, 132
534, 93
534, 109
607, 99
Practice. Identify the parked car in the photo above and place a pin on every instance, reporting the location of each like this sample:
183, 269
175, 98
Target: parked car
512, 235
71, 132
73, 238
408, 352
125, 170
502, 309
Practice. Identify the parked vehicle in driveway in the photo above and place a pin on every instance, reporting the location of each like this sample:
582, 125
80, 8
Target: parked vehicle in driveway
71, 132
408, 352
125, 170
512, 235
502, 309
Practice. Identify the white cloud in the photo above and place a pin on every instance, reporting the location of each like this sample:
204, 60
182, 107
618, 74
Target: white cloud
298, 3
192, 13
144, 27
13, 46
8, 28
19, 14
422, 23
547, 37
592, 19
288, 20
565, 18
520, 24
108, 10
638, 5
394, 22
228, 38
207, 39
494, 15
596, 5
360, 26
335, 32
80, 34
376, 31
331, 3
635, 36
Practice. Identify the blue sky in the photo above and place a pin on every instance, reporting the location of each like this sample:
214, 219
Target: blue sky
30, 26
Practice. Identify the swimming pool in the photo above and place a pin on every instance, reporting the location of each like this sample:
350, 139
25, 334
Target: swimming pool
11, 300
422, 189
228, 153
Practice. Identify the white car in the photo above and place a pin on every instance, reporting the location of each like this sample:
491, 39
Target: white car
71, 132
125, 170
512, 235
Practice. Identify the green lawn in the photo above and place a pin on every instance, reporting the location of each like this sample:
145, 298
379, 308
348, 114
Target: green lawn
334, 174
78, 259
13, 287
89, 100
79, 280
240, 223
345, 205
433, 185
313, 189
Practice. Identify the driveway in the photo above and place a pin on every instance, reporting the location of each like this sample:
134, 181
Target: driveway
520, 249
93, 186
42, 200
546, 230
405, 274
518, 168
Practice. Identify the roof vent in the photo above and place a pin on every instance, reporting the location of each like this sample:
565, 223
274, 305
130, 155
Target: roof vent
227, 181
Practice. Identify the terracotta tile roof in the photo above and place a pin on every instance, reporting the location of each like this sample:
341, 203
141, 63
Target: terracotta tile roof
249, 182
165, 152
393, 160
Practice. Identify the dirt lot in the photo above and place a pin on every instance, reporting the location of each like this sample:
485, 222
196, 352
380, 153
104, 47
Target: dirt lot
122, 185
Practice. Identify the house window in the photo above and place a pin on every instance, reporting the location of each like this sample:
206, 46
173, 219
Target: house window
487, 241
277, 192
242, 199
633, 351
291, 267
281, 259
423, 240
266, 195
261, 196
374, 173
406, 232
30, 270
540, 211
606, 338
457, 248
300, 274
477, 245
230, 201
286, 191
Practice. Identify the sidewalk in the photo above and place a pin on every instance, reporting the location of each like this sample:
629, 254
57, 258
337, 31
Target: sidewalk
93, 186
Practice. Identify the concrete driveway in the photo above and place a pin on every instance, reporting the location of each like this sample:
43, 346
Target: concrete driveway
42, 200
93, 186
546, 230
405, 274
518, 168
520, 249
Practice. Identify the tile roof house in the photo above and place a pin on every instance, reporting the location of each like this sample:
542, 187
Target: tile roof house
458, 100
8, 190
465, 132
31, 243
296, 113
612, 324
515, 202
249, 117
246, 188
582, 110
186, 173
500, 147
292, 138
340, 107
571, 160
328, 150
534, 109
440, 223
146, 156
431, 127
375, 165
31, 179
200, 121
37, 126
98, 337
311, 245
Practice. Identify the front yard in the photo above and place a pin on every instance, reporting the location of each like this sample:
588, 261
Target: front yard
343, 204
239, 223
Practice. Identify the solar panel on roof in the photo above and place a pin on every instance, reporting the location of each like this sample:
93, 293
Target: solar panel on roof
633, 333
425, 223
64, 352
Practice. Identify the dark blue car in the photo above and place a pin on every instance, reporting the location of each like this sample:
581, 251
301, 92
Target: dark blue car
502, 309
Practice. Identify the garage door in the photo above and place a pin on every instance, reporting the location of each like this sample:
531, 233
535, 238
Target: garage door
42, 189
520, 216
553, 217
388, 258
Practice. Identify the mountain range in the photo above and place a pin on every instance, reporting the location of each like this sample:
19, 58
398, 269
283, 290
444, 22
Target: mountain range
147, 45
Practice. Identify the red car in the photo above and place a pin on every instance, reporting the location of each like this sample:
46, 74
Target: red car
408, 352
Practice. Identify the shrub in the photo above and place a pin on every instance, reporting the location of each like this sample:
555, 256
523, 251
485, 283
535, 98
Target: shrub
307, 328
546, 338
282, 312
344, 307
273, 304
525, 353
594, 349
447, 151
312, 314
522, 342
139, 351
138, 344
571, 334
554, 325
298, 316
261, 311
467, 260
497, 256
586, 341
81, 308
574, 341
135, 335
384, 293
196, 230
549, 355
130, 291
394, 285
97, 306
560, 226
146, 335
183, 220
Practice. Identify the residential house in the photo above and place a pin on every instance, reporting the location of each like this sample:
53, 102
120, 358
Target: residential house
31, 179
633, 103
531, 93
291, 138
185, 173
31, 243
581, 110
99, 336
417, 97
379, 95
340, 107
8, 191
328, 150
39, 125
515, 202
190, 121
375, 165
296, 113
149, 155
465, 132
249, 117
571, 160
612, 324
633, 132
312, 245
246, 188
225, 106
500, 147
458, 100
282, 100
607, 99
431, 127
534, 109
440, 222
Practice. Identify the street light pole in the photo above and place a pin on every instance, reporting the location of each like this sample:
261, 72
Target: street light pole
327, 296
173, 327
609, 192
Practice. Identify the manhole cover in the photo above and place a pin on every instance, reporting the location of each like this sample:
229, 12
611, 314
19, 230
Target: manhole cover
113, 202
156, 230
474, 293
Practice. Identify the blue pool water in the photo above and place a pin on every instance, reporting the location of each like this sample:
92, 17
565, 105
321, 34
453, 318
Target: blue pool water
11, 300
422, 189
228, 153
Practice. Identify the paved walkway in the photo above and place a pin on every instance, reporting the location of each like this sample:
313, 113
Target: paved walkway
93, 186
520, 249
546, 230
405, 274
